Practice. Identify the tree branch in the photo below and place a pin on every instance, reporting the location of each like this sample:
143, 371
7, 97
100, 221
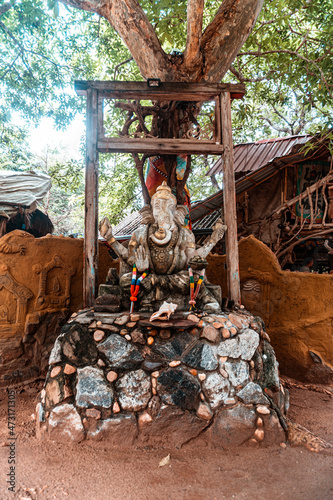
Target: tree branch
139, 162
291, 52
129, 20
226, 34
192, 55
119, 65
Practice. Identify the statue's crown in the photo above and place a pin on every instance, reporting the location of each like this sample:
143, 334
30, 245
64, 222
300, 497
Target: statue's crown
164, 191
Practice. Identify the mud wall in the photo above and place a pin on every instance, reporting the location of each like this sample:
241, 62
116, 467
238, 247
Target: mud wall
297, 309
40, 286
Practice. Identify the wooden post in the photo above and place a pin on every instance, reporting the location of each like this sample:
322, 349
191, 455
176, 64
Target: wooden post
90, 252
229, 200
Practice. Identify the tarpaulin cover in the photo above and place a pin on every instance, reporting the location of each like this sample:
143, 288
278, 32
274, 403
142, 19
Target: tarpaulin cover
22, 188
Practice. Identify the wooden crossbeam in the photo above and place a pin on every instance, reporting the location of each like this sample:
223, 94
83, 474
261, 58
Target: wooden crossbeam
158, 146
182, 91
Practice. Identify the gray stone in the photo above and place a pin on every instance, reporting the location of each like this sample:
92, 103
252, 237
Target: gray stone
229, 348
238, 372
84, 319
79, 347
202, 357
92, 388
216, 389
266, 367
65, 424
172, 427
120, 353
248, 343
106, 318
232, 427
55, 356
180, 388
252, 394
173, 348
274, 434
118, 431
134, 390
151, 365
121, 320
105, 289
243, 346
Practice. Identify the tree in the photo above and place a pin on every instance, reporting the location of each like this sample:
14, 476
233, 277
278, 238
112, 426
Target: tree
207, 56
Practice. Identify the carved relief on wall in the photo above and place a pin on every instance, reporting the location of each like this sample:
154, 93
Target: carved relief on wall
255, 293
54, 285
13, 299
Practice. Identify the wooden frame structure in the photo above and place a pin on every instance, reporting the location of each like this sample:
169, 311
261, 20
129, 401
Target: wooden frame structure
96, 142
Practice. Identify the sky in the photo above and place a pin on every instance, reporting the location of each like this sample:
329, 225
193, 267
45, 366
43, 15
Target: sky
46, 135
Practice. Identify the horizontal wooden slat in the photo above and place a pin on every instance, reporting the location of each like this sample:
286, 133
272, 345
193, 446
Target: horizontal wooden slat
157, 146
166, 91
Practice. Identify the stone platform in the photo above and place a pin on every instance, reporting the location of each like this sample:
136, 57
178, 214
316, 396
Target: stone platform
127, 381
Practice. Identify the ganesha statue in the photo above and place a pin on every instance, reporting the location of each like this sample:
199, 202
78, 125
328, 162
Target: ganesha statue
164, 252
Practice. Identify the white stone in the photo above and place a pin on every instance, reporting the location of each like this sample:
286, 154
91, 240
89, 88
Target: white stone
243, 346
134, 390
238, 372
55, 356
216, 389
252, 394
65, 423
248, 343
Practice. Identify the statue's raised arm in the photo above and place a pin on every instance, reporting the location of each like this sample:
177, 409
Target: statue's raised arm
218, 232
105, 230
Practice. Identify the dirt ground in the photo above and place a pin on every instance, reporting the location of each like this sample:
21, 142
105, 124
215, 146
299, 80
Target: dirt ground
47, 470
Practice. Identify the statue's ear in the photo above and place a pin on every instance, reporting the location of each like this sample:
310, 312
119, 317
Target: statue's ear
180, 214
146, 214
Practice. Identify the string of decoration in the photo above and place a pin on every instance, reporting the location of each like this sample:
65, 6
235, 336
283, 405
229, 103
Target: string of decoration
194, 292
135, 285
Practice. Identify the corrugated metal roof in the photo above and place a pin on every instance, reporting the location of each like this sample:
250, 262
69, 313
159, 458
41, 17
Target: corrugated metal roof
251, 156
206, 222
128, 225
258, 175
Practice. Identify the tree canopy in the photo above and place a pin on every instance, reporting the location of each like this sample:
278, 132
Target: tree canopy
286, 61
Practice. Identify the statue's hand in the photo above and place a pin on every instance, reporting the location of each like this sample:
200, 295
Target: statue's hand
141, 259
105, 228
218, 231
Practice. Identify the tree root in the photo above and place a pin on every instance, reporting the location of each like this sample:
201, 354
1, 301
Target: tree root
308, 387
300, 436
